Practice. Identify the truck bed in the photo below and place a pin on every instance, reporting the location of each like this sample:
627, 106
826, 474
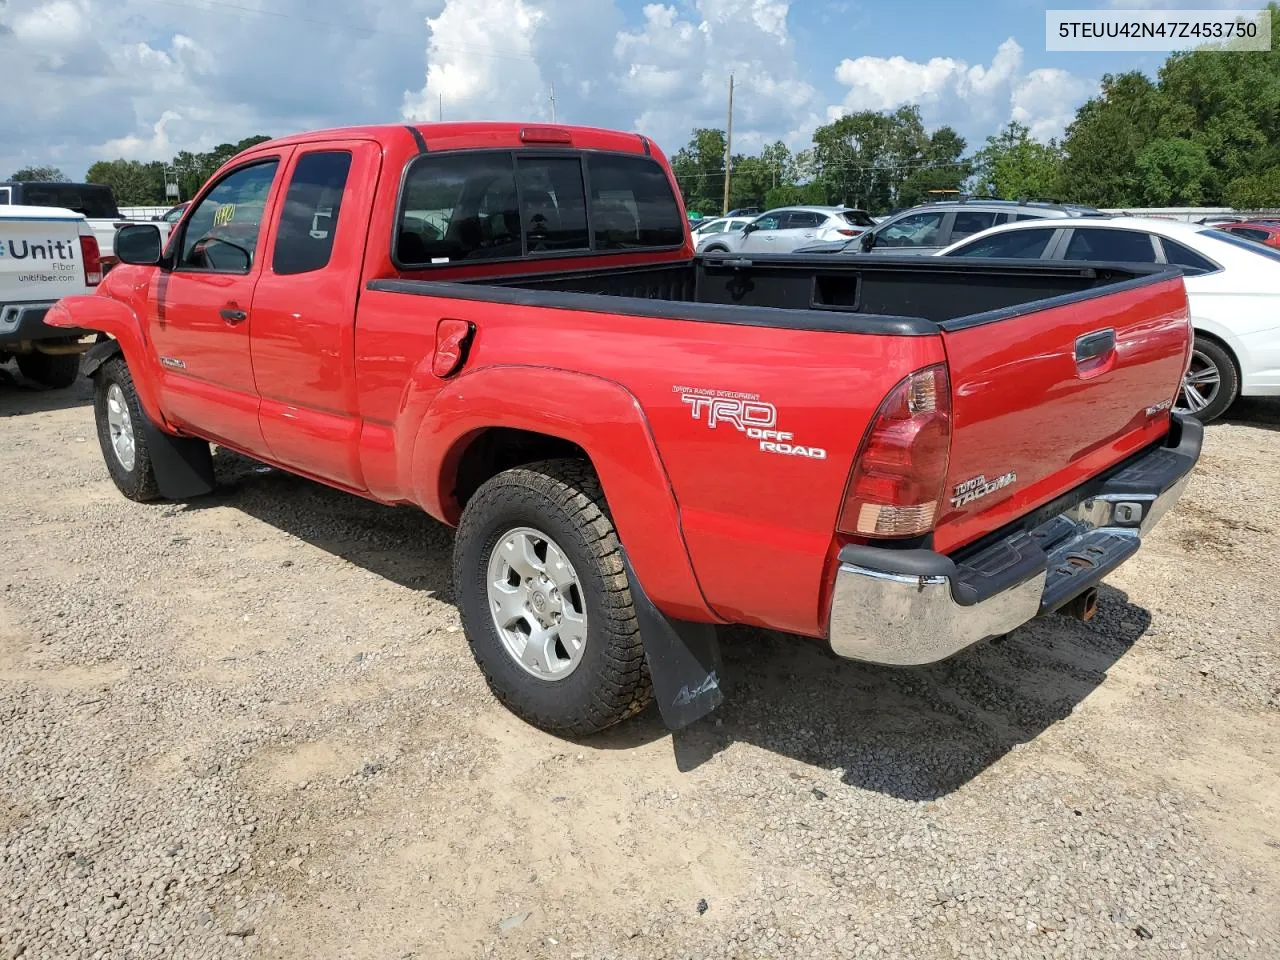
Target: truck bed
901, 296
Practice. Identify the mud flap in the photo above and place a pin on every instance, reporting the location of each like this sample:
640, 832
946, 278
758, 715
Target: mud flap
183, 465
684, 660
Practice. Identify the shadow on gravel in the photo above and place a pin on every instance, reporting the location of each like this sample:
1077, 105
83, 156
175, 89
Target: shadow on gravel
1261, 412
911, 733
399, 544
19, 396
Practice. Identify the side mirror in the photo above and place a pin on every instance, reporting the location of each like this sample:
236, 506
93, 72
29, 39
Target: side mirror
750, 227
139, 244
868, 241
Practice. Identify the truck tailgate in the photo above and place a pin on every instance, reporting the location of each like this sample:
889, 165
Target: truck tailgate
1045, 398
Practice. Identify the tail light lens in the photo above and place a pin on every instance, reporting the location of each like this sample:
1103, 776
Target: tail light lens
898, 478
91, 259
845, 232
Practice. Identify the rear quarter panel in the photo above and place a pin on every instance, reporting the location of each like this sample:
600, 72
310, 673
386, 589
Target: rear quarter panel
758, 526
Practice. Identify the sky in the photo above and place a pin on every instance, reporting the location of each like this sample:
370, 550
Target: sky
87, 80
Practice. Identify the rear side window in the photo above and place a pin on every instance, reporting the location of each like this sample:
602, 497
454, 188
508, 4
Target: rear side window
802, 219
309, 220
1249, 233
1185, 257
1123, 246
1014, 244
969, 222
859, 218
459, 206
632, 204
5, 193
553, 208
1027, 216
94, 202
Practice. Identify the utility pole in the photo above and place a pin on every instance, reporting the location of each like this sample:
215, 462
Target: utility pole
440, 107
553, 103
728, 147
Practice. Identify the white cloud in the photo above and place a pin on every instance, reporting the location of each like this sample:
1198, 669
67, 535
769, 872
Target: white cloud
973, 98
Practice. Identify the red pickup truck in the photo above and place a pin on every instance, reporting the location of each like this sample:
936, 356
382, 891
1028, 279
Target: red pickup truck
506, 326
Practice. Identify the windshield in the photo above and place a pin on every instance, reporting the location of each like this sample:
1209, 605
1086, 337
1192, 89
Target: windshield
1271, 253
859, 218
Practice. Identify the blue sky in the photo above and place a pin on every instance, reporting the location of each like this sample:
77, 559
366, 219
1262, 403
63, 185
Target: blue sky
142, 79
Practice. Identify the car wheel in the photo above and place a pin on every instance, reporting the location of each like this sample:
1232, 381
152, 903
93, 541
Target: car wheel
49, 370
1211, 383
545, 600
119, 417
716, 248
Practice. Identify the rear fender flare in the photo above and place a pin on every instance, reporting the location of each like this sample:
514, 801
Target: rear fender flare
600, 416
119, 322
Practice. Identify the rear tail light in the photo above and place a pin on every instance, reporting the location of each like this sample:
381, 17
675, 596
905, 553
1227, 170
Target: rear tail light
899, 476
845, 232
91, 259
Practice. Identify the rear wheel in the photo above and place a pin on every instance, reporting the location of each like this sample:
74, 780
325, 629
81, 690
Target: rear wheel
1211, 383
49, 370
119, 419
545, 599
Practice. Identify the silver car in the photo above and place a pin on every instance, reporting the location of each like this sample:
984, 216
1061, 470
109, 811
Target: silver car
786, 228
705, 229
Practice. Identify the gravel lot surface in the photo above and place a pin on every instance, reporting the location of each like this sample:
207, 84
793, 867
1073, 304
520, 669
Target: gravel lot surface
249, 726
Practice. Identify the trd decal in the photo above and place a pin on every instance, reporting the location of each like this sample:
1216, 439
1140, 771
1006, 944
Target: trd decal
746, 413
979, 487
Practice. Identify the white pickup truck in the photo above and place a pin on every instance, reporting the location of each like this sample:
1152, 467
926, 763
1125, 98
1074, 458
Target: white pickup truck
94, 201
46, 254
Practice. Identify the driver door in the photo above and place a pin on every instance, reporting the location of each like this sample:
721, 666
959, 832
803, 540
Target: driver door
200, 309
764, 234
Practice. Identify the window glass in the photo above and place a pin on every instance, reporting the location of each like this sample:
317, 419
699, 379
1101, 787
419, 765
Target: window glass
1182, 256
459, 206
95, 202
309, 219
174, 215
632, 204
1027, 216
1122, 246
770, 221
859, 218
222, 233
1249, 233
553, 203
1015, 244
917, 230
969, 222
802, 220
4, 196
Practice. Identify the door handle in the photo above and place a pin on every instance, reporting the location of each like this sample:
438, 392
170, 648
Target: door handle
232, 315
1094, 345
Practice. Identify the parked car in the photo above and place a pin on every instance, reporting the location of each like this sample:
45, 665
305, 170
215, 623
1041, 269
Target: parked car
1233, 286
706, 228
744, 212
1257, 230
94, 201
45, 253
931, 226
784, 229
619, 429
174, 213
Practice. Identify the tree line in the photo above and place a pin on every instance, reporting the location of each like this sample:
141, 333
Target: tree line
1206, 132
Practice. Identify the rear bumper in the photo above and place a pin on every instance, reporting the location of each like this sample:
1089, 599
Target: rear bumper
25, 321
904, 607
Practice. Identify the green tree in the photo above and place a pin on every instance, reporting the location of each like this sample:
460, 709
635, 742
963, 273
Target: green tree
699, 170
1012, 165
39, 175
1256, 192
1174, 173
133, 183
863, 158
1103, 142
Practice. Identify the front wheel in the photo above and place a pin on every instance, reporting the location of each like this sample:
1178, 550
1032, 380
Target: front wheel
545, 600
1211, 383
119, 417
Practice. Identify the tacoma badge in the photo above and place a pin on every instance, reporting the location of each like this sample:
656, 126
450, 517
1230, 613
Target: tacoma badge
979, 487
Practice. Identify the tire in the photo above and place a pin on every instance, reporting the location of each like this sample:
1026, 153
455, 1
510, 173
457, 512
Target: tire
137, 480
1206, 401
58, 372
561, 501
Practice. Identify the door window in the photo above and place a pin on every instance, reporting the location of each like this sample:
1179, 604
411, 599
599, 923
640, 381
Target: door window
309, 219
770, 221
459, 206
1121, 246
969, 222
222, 233
802, 220
917, 230
1014, 244
553, 204
4, 196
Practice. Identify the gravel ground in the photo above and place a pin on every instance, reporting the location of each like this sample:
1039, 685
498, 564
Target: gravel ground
249, 726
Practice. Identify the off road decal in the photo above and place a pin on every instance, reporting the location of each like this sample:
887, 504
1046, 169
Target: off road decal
746, 413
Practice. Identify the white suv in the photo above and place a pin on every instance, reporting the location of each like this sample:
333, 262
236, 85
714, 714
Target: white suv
784, 229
